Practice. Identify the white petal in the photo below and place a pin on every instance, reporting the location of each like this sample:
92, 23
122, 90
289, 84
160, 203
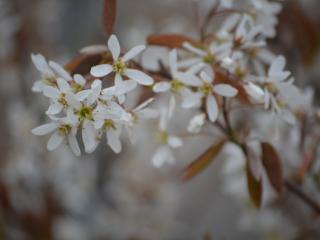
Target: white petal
193, 49
95, 93
55, 141
94, 49
44, 129
190, 99
161, 87
114, 140
63, 85
195, 69
288, 116
174, 142
60, 70
144, 104
162, 155
212, 108
206, 77
196, 123
89, 137
133, 52
38, 86
163, 121
148, 113
139, 76
101, 70
79, 79
277, 65
82, 95
73, 143
225, 90
189, 79
51, 92
41, 64
125, 87
189, 62
172, 106
173, 58
114, 47
54, 108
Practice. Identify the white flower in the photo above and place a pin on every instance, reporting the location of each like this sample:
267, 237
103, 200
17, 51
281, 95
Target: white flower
246, 34
216, 52
208, 90
163, 153
61, 97
49, 72
63, 130
120, 66
179, 82
108, 119
196, 123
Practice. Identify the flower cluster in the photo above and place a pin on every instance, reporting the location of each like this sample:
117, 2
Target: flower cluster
202, 75
76, 104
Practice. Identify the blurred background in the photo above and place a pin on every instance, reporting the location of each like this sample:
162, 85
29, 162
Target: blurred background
54, 195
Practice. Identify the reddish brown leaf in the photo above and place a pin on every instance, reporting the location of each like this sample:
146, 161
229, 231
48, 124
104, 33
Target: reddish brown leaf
273, 166
203, 161
169, 40
254, 187
109, 16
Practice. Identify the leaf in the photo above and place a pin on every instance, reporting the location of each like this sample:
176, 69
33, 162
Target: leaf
254, 187
273, 166
202, 162
109, 16
169, 40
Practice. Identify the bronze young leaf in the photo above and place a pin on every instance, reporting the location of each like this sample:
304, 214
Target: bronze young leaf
109, 16
273, 166
203, 161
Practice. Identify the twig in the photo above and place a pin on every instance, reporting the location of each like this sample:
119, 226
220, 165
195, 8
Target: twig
302, 195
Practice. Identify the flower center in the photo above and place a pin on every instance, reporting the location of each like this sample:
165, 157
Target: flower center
64, 129
209, 58
271, 88
176, 85
85, 113
62, 100
119, 66
109, 125
76, 87
206, 89
240, 73
162, 136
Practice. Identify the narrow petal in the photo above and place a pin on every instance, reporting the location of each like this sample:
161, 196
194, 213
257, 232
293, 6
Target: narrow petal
60, 70
196, 123
89, 137
125, 87
114, 47
44, 129
73, 143
51, 92
79, 79
133, 52
277, 65
194, 50
55, 141
63, 85
225, 90
174, 142
162, 155
190, 99
82, 95
101, 70
206, 77
139, 76
189, 79
114, 141
173, 61
148, 113
41, 64
161, 87
54, 108
38, 86
212, 108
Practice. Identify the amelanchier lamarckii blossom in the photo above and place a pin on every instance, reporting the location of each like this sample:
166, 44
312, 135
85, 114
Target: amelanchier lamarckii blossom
163, 153
120, 66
